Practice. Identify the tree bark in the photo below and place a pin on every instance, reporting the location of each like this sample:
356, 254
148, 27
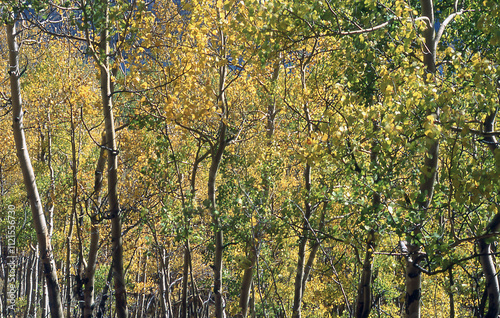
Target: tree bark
365, 298
217, 153
492, 288
452, 298
219, 238
105, 294
164, 284
271, 106
143, 303
39, 222
68, 265
50, 195
88, 297
428, 177
299, 276
80, 265
486, 259
314, 250
114, 208
299, 286
34, 307
185, 274
74, 198
30, 283
247, 281
45, 296
413, 272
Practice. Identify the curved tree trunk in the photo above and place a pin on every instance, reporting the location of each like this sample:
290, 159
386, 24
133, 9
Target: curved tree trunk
486, 259
492, 288
39, 222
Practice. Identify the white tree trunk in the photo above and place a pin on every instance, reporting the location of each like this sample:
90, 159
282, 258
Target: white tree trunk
39, 223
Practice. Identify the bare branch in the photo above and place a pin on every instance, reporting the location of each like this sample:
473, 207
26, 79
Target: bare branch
445, 23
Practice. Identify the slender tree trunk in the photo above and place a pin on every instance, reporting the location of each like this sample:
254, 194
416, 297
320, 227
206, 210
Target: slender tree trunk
313, 252
413, 272
365, 297
39, 222
144, 301
428, 178
492, 288
185, 274
271, 105
114, 208
74, 198
68, 265
45, 295
88, 297
364, 301
140, 305
184, 310
307, 213
486, 258
80, 265
137, 296
247, 280
217, 153
452, 298
36, 266
2, 186
219, 242
253, 248
170, 311
164, 288
50, 195
105, 294
30, 283
69, 251
89, 276
49, 210
194, 291
299, 276
307, 267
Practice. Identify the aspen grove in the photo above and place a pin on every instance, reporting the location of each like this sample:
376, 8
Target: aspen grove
253, 158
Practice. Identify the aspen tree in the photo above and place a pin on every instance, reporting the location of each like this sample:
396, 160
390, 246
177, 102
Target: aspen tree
39, 222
